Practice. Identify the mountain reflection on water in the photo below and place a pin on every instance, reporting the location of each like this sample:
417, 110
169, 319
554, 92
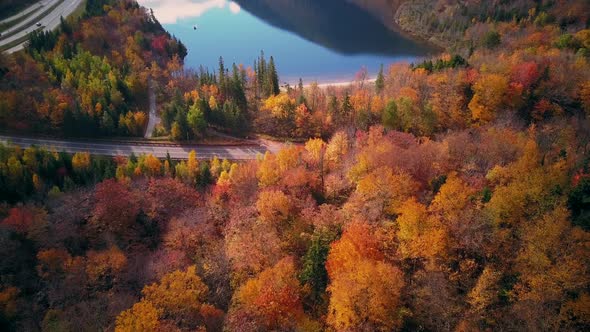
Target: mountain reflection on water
322, 40
334, 24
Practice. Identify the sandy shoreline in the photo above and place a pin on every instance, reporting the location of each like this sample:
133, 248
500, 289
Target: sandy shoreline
326, 84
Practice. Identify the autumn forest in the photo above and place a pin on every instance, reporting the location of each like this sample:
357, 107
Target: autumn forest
450, 194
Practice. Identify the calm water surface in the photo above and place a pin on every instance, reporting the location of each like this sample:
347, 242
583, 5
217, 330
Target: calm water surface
317, 40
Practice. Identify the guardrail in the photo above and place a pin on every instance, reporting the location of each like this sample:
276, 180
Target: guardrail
122, 141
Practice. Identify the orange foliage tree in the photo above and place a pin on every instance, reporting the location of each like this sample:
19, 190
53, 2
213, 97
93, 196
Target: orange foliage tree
271, 301
364, 290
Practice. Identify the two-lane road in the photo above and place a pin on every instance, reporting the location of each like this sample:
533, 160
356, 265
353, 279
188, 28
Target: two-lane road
204, 152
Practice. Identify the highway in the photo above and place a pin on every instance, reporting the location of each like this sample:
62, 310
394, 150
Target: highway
30, 9
204, 152
49, 22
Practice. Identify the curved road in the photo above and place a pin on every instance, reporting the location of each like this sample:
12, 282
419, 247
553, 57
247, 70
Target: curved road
49, 23
32, 8
204, 152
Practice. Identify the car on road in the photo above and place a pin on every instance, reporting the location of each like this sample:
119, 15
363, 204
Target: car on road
39, 24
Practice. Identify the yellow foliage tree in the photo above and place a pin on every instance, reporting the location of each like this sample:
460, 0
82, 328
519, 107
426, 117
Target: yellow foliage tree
153, 165
288, 158
489, 96
143, 316
452, 198
447, 100
551, 264
226, 165
384, 190
192, 164
178, 295
224, 178
268, 171
215, 167
272, 167
337, 148
81, 162
315, 149
524, 188
485, 292
177, 301
280, 106
420, 236
213, 103
274, 206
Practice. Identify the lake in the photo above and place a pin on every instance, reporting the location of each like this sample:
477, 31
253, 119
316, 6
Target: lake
316, 40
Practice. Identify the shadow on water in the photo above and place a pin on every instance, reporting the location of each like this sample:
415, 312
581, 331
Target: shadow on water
335, 24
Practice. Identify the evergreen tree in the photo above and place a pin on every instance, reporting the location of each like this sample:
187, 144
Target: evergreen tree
182, 123
333, 108
346, 108
107, 124
221, 74
301, 99
273, 78
262, 78
205, 178
314, 268
256, 81
390, 118
169, 159
233, 117
64, 26
237, 89
182, 51
380, 82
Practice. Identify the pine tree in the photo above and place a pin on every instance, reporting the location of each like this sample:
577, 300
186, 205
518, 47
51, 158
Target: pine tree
182, 128
380, 82
346, 109
237, 89
256, 81
273, 78
221, 74
314, 268
333, 106
390, 117
168, 158
107, 123
301, 99
262, 73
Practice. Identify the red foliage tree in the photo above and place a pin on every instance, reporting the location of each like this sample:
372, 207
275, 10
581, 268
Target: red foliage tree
116, 207
167, 197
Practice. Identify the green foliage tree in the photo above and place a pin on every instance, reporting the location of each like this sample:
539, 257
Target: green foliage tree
196, 121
